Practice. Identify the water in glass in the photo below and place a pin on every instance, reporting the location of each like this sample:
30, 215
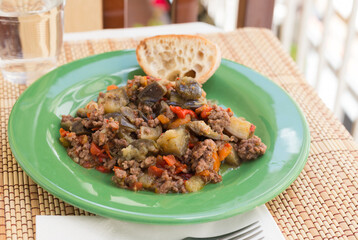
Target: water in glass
30, 38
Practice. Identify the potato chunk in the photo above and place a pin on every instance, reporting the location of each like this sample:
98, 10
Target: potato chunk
194, 184
140, 149
147, 180
113, 100
174, 141
150, 133
240, 128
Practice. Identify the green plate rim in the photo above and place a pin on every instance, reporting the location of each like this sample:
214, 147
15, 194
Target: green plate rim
150, 218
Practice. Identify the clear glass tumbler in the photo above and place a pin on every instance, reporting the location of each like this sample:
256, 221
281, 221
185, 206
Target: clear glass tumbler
31, 34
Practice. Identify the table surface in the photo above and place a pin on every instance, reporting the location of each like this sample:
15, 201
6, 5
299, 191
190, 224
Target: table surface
320, 204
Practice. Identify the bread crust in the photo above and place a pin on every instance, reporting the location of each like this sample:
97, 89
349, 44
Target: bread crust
144, 55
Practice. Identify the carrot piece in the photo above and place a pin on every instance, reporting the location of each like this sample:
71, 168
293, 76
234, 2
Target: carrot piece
63, 132
204, 173
154, 171
71, 134
179, 121
205, 113
180, 168
163, 119
224, 151
111, 87
216, 166
170, 160
137, 186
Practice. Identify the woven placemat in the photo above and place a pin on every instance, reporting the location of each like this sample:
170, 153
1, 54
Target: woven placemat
320, 204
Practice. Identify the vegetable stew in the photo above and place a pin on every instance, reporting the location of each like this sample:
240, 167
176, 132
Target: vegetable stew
159, 136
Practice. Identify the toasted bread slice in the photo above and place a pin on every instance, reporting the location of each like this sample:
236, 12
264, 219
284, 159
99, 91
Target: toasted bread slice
172, 56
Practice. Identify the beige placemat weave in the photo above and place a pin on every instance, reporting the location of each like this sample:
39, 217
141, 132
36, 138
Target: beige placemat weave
320, 204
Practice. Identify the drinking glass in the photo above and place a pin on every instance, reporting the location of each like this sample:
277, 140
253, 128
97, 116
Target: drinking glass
31, 34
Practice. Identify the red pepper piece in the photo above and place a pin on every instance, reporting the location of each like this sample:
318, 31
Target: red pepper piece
170, 160
103, 169
111, 87
106, 149
160, 162
181, 113
155, 171
95, 150
224, 151
252, 128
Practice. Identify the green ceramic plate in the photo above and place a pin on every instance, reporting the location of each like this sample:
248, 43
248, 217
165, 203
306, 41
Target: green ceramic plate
35, 120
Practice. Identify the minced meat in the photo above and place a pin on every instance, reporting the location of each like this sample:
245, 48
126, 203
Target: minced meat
218, 119
202, 155
251, 148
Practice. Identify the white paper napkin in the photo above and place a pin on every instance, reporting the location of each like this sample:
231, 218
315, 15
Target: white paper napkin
95, 227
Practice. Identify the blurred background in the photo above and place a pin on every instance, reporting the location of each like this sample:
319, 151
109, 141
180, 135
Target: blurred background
320, 35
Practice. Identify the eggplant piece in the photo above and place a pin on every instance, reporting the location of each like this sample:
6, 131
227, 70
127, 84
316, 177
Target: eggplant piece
75, 126
152, 93
113, 100
164, 107
140, 149
171, 103
78, 128
240, 128
188, 88
66, 125
174, 141
233, 158
142, 115
82, 112
128, 113
114, 115
123, 121
125, 124
194, 104
175, 98
150, 133
202, 129
125, 135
